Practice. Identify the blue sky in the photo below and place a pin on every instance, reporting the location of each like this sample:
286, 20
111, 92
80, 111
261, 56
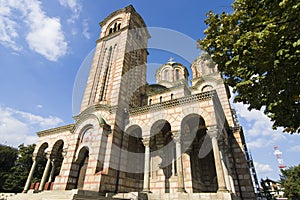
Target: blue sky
42, 46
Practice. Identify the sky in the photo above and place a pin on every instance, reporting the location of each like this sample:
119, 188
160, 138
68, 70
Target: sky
43, 45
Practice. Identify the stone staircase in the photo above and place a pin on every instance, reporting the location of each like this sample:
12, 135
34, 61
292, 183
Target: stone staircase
190, 196
64, 195
88, 195
45, 195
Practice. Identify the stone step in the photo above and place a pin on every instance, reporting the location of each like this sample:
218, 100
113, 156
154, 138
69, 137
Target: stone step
51, 195
64, 195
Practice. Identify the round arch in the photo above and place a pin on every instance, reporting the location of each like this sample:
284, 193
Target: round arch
42, 148
134, 130
135, 155
82, 160
86, 122
197, 145
57, 159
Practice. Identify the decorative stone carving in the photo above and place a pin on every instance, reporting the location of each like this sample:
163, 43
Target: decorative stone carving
213, 131
146, 141
176, 136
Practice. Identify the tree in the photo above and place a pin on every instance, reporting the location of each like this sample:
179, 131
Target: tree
257, 49
17, 176
290, 181
16, 180
8, 157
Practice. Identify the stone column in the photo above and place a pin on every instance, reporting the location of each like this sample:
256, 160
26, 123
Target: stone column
213, 133
46, 172
27, 185
51, 177
146, 185
224, 158
180, 177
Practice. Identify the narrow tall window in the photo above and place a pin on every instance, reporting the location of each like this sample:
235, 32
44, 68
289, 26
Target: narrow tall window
172, 96
166, 75
115, 27
104, 84
176, 74
160, 99
175, 161
150, 101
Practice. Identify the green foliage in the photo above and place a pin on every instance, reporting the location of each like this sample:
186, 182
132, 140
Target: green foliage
257, 48
16, 180
290, 181
17, 169
8, 157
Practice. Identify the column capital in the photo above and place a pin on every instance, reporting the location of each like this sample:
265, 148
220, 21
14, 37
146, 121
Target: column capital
146, 141
176, 135
213, 131
48, 155
64, 152
34, 157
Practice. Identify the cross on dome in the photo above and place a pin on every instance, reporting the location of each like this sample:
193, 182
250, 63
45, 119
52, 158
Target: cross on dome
171, 59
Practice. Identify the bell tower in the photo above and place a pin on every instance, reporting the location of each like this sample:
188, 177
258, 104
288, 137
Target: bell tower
118, 71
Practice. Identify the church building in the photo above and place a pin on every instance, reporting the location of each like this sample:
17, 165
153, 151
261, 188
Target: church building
134, 140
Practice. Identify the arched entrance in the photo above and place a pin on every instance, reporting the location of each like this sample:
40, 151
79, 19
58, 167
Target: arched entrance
57, 152
135, 156
82, 163
197, 144
162, 150
41, 160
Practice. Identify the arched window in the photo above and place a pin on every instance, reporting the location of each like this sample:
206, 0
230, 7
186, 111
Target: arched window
166, 74
172, 96
119, 27
110, 30
150, 101
104, 84
115, 27
160, 99
176, 74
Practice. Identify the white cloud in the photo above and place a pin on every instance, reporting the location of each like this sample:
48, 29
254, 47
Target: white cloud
264, 170
8, 27
43, 34
259, 127
39, 106
85, 30
18, 127
47, 38
295, 148
74, 6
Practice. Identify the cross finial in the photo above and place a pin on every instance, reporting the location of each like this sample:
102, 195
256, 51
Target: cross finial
171, 59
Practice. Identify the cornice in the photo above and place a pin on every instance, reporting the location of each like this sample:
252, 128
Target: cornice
95, 108
57, 130
173, 103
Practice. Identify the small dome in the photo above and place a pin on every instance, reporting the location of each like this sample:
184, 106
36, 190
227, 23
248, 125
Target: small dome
203, 65
170, 73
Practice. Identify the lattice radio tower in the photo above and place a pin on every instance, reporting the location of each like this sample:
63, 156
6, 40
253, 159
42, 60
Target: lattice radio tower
278, 154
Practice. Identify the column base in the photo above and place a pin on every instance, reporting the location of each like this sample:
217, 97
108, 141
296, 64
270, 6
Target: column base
182, 190
146, 191
222, 190
24, 191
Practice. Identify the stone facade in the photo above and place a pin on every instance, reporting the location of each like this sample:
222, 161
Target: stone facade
168, 140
